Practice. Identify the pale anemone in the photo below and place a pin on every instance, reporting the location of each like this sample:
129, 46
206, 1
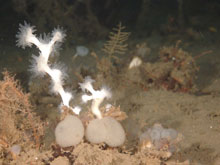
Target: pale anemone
24, 35
58, 34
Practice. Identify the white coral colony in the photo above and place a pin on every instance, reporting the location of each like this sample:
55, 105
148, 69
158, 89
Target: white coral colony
96, 95
40, 65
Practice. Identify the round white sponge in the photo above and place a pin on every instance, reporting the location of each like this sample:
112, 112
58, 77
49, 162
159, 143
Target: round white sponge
69, 132
106, 130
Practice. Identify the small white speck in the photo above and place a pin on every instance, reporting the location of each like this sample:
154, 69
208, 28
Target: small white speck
108, 107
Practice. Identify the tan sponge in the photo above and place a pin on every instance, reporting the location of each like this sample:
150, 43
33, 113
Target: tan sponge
69, 132
106, 130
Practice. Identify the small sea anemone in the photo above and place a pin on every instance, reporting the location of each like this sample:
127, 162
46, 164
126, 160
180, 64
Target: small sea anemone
58, 34
87, 84
106, 92
25, 35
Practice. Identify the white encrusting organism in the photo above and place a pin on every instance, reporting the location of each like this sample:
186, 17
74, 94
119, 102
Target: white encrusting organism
136, 61
40, 65
96, 95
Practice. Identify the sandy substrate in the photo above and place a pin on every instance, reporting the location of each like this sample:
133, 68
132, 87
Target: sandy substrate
196, 117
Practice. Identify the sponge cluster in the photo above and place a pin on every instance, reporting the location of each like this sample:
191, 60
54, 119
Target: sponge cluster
70, 132
157, 137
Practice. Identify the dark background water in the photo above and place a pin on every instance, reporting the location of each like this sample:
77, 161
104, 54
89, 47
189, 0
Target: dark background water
92, 19
160, 22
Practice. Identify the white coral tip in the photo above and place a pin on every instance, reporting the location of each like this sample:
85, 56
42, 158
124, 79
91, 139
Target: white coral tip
76, 110
25, 36
87, 84
106, 92
58, 35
